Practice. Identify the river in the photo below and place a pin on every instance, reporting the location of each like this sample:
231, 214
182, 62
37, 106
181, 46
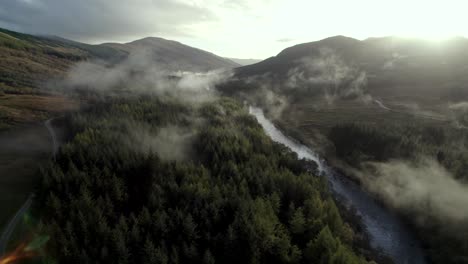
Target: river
387, 233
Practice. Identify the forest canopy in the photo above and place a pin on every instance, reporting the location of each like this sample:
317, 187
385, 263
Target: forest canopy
238, 198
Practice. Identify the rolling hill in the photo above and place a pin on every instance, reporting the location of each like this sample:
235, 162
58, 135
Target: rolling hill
175, 56
30, 61
318, 85
386, 101
393, 66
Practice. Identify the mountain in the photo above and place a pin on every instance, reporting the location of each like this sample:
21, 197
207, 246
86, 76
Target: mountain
291, 57
244, 62
393, 66
102, 52
28, 61
175, 56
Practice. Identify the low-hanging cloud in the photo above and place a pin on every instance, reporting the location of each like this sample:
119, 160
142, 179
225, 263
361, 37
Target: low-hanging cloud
140, 74
459, 112
426, 189
391, 63
331, 74
273, 103
326, 75
170, 142
267, 94
460, 106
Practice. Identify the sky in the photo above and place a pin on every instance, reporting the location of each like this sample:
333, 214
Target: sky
235, 28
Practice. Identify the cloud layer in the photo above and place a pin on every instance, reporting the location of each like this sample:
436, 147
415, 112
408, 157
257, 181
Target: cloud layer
102, 19
139, 74
332, 74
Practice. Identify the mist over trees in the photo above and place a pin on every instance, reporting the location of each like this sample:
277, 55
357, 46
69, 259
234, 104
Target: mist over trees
147, 178
420, 170
240, 198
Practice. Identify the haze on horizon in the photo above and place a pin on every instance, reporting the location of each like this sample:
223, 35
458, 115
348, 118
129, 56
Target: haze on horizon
235, 28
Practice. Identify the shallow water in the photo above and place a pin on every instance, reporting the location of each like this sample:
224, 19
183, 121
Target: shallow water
387, 232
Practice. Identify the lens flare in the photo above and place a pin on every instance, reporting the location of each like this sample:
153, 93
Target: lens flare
19, 253
25, 250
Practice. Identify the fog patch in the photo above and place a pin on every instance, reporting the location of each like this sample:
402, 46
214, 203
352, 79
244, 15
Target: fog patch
332, 75
459, 112
393, 61
140, 74
325, 75
275, 104
170, 142
437, 112
461, 106
426, 189
271, 102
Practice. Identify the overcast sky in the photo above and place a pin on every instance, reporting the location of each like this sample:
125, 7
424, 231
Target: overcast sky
235, 28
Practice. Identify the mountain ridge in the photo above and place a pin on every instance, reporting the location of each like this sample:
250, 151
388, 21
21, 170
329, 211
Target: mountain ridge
30, 61
405, 66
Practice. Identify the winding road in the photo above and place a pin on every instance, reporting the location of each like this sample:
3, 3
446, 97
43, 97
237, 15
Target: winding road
7, 232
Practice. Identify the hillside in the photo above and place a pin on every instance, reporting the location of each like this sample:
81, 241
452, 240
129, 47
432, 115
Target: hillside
30, 63
392, 65
391, 113
175, 56
378, 80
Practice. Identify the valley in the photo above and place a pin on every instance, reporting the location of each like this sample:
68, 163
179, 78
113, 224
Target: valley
337, 151
387, 232
391, 123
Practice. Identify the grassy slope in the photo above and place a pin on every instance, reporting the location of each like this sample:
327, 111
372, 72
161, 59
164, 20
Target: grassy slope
419, 87
28, 62
313, 112
23, 109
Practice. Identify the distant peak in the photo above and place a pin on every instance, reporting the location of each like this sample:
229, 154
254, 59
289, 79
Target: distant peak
152, 40
339, 38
